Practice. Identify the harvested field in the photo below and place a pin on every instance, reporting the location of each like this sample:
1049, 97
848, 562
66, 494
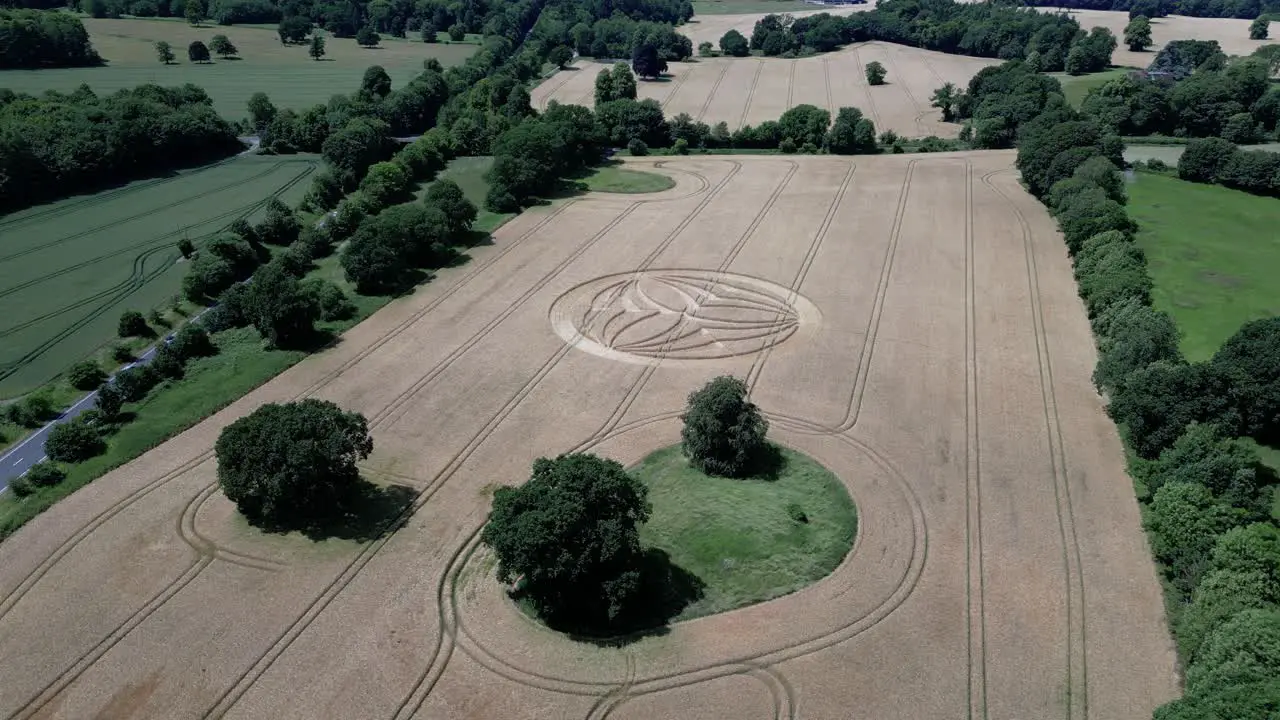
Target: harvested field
285, 73
69, 268
909, 322
749, 91
1231, 33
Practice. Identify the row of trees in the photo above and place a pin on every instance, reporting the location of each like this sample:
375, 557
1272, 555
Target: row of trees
1208, 495
1046, 40
43, 38
59, 144
1214, 160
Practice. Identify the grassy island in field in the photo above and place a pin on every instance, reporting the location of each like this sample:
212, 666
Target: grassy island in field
615, 178
748, 540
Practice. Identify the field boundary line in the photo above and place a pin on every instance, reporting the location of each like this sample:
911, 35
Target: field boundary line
826, 79
791, 83
1077, 677
861, 69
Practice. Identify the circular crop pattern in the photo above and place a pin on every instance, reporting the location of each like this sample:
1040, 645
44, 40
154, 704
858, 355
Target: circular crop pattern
678, 315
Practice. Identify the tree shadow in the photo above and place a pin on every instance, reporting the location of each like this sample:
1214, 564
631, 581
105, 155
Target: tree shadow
664, 591
364, 512
767, 463
475, 238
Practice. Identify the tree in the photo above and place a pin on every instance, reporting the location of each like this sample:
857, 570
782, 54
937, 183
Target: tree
1220, 595
333, 303
86, 375
945, 99
457, 33
1203, 455
290, 463
733, 43
1137, 34
805, 124
197, 52
386, 183
366, 37
1203, 158
724, 432
1251, 355
376, 83
223, 46
192, 341
136, 382
261, 111
1251, 701
875, 73
571, 535
1184, 522
560, 56
73, 441
446, 195
645, 61
706, 49
429, 32
194, 12
293, 29
132, 324
46, 474
280, 225
316, 51
1242, 650
164, 51
1258, 28
1137, 336
1159, 401
279, 309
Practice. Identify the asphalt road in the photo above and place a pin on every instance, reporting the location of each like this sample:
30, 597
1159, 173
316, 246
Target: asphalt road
19, 458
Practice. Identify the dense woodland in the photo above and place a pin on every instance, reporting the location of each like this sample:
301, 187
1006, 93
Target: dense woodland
59, 144
34, 39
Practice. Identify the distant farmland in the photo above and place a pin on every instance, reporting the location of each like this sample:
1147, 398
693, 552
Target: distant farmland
68, 269
285, 73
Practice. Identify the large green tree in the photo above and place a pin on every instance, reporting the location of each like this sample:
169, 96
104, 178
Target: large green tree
289, 464
724, 432
570, 535
1137, 34
735, 44
1252, 355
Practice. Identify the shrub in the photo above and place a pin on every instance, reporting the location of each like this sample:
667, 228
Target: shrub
121, 354
22, 486
875, 73
167, 363
288, 464
46, 474
1203, 158
446, 195
132, 324
681, 147
136, 382
637, 147
787, 146
192, 342
723, 432
333, 303
31, 412
86, 375
110, 400
73, 441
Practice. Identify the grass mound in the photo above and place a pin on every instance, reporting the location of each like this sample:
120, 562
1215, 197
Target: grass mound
614, 178
748, 540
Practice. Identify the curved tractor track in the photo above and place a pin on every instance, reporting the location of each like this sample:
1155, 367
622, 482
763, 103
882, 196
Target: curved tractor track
942, 373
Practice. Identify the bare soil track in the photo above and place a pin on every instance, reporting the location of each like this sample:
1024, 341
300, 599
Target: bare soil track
917, 332
749, 91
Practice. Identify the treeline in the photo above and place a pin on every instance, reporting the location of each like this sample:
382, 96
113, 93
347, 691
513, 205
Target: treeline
60, 144
1207, 495
1214, 160
1234, 100
43, 38
1047, 40
1247, 9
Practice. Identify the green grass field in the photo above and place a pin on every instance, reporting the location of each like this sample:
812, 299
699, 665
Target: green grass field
737, 535
1076, 87
69, 268
286, 74
1214, 255
613, 178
